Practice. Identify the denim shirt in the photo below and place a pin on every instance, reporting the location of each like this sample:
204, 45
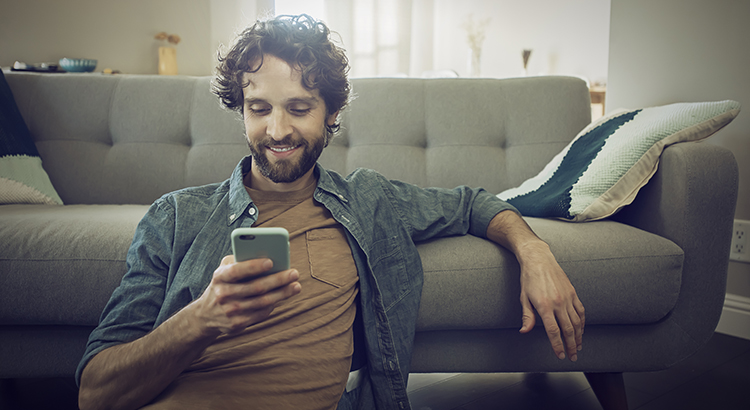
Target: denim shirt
184, 235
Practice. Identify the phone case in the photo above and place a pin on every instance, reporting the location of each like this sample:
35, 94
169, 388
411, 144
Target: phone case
254, 243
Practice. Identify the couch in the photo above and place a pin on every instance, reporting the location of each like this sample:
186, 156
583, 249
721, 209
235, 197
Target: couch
652, 277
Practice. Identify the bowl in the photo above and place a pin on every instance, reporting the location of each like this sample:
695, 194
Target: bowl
78, 65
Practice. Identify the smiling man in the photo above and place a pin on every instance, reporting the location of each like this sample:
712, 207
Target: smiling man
285, 125
189, 328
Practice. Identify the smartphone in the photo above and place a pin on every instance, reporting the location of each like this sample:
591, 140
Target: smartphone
254, 243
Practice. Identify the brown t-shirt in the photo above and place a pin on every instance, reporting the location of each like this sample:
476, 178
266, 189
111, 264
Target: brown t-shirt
298, 358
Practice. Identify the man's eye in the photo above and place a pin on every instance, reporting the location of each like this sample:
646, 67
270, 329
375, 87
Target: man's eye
255, 110
300, 111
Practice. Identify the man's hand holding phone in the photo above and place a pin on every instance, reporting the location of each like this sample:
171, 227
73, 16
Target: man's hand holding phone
244, 293
240, 295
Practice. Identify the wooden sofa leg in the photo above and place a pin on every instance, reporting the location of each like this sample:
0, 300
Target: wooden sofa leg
609, 389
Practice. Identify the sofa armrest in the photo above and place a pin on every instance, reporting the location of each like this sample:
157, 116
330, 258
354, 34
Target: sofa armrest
691, 201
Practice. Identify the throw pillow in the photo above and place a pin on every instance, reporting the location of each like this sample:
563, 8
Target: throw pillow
608, 162
22, 178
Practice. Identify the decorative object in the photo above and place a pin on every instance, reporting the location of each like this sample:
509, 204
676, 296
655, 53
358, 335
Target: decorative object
168, 55
608, 162
475, 31
526, 54
22, 178
78, 65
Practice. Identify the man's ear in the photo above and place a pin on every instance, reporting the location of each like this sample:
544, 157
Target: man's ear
332, 118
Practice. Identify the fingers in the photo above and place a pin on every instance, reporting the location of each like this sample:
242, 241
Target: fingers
230, 272
563, 322
528, 320
248, 311
578, 319
264, 285
562, 335
240, 294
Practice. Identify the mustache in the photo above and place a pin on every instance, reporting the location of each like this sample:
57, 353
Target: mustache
270, 142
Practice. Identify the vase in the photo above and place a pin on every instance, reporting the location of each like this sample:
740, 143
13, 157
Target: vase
167, 60
475, 62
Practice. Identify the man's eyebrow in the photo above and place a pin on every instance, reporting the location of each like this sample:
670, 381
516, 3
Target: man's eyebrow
303, 100
312, 100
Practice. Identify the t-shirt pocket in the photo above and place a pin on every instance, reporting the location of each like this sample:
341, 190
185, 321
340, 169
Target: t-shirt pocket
330, 257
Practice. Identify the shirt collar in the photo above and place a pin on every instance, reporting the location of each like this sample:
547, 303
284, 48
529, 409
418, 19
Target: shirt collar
327, 184
240, 201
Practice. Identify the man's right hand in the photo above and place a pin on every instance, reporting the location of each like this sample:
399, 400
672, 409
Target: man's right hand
130, 375
240, 295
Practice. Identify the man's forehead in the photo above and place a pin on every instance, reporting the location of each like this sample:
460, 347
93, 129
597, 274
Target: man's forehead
277, 80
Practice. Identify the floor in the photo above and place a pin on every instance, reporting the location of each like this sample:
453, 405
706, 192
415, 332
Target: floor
717, 377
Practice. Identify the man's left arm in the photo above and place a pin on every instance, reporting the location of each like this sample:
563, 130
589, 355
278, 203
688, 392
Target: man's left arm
544, 285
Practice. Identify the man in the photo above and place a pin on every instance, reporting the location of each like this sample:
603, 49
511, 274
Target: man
336, 329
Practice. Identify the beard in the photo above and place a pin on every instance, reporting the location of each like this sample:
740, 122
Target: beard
287, 170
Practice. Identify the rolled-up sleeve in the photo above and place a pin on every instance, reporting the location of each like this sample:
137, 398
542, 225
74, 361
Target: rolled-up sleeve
439, 212
135, 304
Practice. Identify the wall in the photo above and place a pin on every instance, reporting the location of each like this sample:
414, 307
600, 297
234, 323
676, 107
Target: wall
664, 51
568, 37
120, 34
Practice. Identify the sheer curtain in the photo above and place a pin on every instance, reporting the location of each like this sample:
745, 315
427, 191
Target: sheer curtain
382, 37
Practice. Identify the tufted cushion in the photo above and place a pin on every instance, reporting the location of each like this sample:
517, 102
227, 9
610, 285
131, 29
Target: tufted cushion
103, 136
141, 137
22, 177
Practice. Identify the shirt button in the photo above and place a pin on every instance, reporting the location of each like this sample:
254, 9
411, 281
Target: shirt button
251, 211
231, 217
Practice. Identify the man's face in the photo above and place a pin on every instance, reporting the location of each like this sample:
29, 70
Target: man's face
284, 123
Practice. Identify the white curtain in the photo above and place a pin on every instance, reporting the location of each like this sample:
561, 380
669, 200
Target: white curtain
382, 37
434, 38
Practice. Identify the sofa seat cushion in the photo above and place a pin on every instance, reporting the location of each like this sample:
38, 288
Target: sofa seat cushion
622, 275
71, 257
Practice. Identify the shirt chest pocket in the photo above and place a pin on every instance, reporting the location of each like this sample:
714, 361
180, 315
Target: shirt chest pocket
330, 257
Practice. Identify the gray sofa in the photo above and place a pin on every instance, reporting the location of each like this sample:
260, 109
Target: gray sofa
652, 277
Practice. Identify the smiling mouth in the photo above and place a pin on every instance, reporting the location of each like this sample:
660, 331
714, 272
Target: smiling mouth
283, 149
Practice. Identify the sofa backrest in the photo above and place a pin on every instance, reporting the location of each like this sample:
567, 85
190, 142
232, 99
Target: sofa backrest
128, 139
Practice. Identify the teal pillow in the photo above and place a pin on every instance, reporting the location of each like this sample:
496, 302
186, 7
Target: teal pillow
22, 178
607, 163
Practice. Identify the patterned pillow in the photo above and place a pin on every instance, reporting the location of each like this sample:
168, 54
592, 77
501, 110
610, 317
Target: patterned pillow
22, 178
606, 164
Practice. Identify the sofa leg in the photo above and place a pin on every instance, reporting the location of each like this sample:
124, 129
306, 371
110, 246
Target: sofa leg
609, 389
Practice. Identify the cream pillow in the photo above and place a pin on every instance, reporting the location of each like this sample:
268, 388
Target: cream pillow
608, 162
22, 178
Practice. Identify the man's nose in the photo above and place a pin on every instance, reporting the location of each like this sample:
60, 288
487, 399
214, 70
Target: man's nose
279, 125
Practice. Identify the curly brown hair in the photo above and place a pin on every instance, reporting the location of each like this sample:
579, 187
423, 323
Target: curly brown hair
303, 43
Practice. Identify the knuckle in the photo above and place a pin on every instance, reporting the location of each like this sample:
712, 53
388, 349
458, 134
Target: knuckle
236, 326
231, 310
257, 288
264, 302
552, 330
220, 293
557, 300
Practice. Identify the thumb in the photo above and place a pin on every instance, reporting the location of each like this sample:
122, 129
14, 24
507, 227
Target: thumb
528, 319
227, 260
